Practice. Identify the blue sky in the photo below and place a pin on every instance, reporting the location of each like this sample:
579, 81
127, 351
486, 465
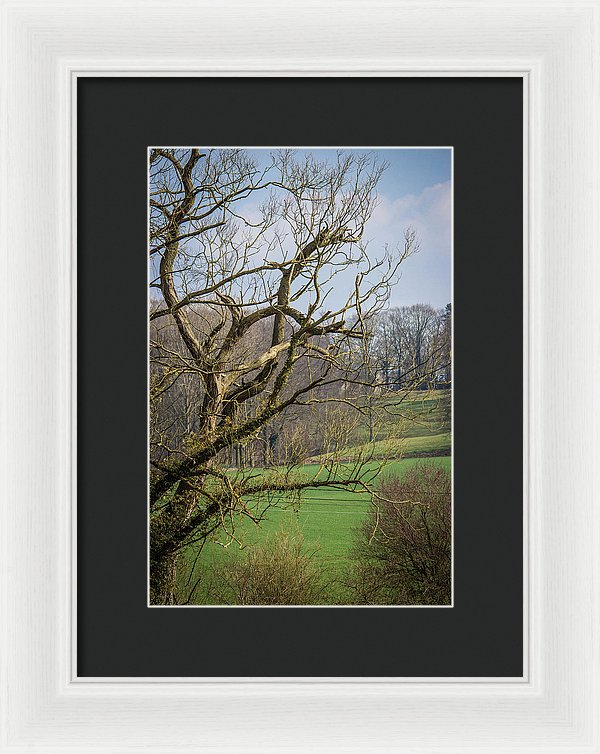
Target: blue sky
415, 190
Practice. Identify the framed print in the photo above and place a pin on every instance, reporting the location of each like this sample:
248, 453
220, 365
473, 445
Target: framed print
188, 564
330, 529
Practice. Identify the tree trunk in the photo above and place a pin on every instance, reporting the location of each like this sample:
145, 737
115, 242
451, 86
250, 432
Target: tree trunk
169, 529
163, 579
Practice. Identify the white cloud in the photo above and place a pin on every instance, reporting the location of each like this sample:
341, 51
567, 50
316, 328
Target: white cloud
429, 213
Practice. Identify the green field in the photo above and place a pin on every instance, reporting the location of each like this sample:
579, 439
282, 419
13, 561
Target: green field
416, 426
327, 519
418, 446
420, 414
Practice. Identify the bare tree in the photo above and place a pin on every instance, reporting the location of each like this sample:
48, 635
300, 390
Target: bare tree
412, 345
244, 325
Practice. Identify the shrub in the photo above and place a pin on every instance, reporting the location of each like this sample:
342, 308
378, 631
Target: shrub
278, 571
403, 553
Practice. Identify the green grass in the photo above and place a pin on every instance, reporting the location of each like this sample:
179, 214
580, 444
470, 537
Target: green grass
327, 518
418, 414
420, 446
416, 425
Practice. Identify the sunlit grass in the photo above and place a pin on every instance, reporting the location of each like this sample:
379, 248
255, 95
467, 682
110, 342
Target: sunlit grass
327, 518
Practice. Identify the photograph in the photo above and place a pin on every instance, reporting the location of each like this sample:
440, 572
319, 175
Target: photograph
300, 410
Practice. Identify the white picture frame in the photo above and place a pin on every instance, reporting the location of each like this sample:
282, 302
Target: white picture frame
554, 48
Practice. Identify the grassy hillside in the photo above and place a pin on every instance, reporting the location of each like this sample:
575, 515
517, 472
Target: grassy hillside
418, 425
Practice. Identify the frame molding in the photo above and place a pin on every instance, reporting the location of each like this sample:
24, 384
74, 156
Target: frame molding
554, 47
